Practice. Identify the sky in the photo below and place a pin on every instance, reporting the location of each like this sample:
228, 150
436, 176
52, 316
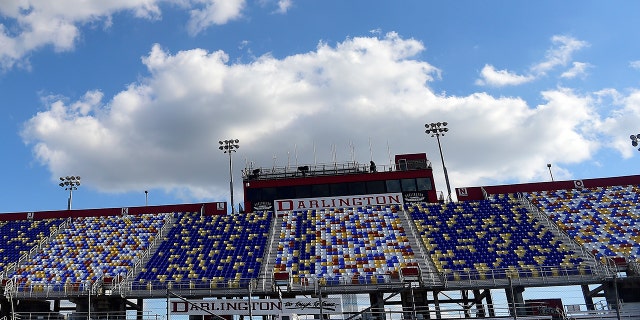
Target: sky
134, 95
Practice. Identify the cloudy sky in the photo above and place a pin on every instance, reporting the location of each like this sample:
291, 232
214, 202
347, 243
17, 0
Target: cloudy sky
134, 95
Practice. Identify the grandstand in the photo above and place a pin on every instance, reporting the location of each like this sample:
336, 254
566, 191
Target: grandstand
329, 232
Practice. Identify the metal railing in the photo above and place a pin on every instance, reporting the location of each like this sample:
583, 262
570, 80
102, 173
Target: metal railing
145, 256
430, 276
543, 217
319, 169
269, 259
32, 252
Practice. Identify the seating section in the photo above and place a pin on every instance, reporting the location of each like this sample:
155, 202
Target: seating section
18, 237
88, 249
491, 239
207, 251
362, 244
605, 220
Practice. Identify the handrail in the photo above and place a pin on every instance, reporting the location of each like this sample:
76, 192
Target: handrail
267, 262
561, 232
319, 169
139, 260
25, 256
421, 246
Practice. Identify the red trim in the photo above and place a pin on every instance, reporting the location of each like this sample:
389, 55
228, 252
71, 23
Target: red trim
210, 208
475, 193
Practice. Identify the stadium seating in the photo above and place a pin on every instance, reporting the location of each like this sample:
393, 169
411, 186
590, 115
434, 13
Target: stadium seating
18, 237
358, 245
88, 249
492, 238
605, 220
207, 251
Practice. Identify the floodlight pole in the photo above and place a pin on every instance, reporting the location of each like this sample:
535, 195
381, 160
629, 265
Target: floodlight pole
551, 174
436, 130
229, 146
70, 183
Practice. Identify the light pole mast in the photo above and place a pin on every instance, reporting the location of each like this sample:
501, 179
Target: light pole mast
70, 183
437, 129
229, 146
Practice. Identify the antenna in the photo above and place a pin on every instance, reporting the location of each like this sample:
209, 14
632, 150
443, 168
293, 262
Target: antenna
315, 158
389, 153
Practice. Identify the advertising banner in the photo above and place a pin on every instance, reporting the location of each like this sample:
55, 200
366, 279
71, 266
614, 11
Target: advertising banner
259, 307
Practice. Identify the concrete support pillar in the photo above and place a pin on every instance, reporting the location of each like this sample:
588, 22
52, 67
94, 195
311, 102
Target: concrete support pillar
611, 295
588, 299
477, 300
376, 301
436, 304
514, 298
140, 311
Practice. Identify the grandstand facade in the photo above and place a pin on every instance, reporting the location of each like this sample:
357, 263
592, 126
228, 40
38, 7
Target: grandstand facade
326, 233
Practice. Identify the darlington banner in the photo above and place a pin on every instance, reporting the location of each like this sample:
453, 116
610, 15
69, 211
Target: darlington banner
335, 202
259, 307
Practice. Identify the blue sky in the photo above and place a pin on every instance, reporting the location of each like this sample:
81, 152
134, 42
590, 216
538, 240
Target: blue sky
134, 95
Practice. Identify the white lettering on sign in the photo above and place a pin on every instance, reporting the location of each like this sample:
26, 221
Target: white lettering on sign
259, 307
336, 202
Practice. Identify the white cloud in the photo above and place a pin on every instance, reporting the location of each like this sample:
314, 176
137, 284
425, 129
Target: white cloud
29, 25
284, 5
635, 64
214, 12
560, 54
578, 69
622, 122
500, 78
162, 131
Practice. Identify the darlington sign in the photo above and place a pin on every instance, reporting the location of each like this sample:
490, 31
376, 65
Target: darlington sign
259, 307
334, 202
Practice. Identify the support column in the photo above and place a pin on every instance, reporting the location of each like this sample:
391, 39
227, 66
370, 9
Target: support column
611, 295
376, 301
514, 297
466, 306
408, 304
140, 311
436, 304
588, 299
477, 299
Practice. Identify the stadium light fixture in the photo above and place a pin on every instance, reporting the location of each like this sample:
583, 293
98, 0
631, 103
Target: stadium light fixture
437, 129
70, 183
635, 139
551, 174
230, 146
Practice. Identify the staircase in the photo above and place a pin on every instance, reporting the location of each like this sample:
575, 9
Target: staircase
268, 262
588, 257
119, 284
429, 275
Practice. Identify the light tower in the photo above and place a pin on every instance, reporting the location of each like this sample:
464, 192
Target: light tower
634, 140
70, 183
437, 129
230, 146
